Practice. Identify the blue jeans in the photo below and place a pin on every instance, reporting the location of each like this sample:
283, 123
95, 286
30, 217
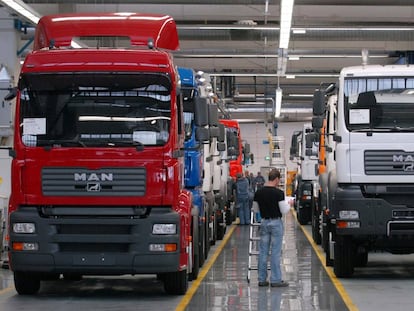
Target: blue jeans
271, 237
244, 211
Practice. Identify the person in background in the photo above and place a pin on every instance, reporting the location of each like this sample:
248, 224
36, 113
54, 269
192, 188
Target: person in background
242, 199
259, 181
271, 201
250, 178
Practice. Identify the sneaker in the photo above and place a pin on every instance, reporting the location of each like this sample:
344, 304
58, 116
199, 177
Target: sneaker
265, 283
237, 221
280, 284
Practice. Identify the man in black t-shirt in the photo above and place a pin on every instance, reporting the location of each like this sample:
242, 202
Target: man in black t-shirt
271, 230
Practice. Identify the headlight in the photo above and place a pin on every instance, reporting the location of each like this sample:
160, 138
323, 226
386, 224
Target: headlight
24, 227
348, 214
164, 229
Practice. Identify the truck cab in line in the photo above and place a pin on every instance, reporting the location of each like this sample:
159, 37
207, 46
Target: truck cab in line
306, 178
370, 187
98, 160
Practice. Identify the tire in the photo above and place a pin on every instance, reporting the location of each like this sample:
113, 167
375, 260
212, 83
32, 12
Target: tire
201, 246
195, 251
316, 234
206, 236
361, 259
301, 216
26, 283
221, 226
215, 225
343, 257
325, 238
176, 283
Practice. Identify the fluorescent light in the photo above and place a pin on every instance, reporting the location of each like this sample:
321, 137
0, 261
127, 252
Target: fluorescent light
22, 9
298, 31
278, 102
227, 27
294, 57
285, 23
252, 74
381, 29
301, 95
290, 76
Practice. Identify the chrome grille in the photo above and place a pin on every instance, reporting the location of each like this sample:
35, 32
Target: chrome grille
102, 182
388, 162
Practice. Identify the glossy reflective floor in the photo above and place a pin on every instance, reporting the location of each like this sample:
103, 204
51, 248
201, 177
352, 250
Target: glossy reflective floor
225, 286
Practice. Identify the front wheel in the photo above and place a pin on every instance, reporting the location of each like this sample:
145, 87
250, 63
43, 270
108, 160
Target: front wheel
202, 245
26, 283
302, 215
221, 224
195, 250
316, 234
176, 283
361, 259
343, 257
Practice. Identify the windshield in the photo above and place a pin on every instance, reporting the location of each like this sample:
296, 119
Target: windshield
95, 109
188, 102
379, 104
232, 143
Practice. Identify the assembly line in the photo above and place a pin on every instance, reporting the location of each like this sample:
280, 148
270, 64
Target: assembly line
120, 191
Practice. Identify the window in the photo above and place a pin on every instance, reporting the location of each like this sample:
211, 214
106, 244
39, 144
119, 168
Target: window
99, 109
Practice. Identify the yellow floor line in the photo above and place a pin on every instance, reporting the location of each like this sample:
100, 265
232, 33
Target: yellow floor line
335, 281
203, 272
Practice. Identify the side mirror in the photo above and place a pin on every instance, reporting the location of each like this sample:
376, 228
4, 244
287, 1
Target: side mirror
202, 134
201, 111
222, 135
221, 146
214, 132
11, 95
213, 115
246, 148
317, 122
310, 139
318, 103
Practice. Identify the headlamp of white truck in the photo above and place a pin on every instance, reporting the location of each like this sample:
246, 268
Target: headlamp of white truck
24, 227
348, 214
164, 229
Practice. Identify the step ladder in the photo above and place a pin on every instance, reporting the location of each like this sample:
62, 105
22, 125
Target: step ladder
254, 238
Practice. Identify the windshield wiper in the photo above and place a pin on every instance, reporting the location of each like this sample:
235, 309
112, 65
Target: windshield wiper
138, 145
50, 143
385, 129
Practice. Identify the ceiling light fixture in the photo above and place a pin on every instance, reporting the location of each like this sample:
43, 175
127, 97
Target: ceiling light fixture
286, 11
299, 31
301, 95
278, 102
252, 74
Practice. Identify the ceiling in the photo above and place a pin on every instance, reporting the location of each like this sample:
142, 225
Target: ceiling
237, 43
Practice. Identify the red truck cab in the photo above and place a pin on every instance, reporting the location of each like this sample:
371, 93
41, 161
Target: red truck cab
97, 170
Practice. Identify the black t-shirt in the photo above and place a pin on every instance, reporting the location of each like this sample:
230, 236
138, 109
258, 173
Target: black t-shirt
268, 199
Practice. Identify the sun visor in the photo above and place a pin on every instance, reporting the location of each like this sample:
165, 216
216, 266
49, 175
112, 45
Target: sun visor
59, 30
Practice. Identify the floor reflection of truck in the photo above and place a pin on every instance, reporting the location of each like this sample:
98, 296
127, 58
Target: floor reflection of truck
98, 166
